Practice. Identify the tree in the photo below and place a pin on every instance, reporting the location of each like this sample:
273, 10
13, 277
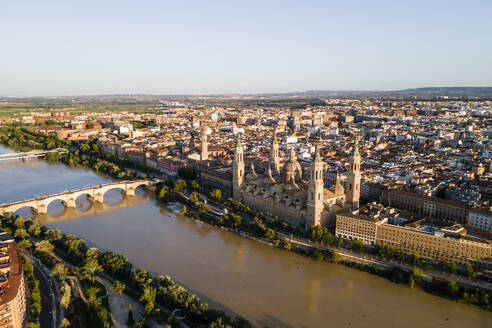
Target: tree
165, 194
416, 259
216, 194
20, 234
400, 256
453, 288
59, 271
195, 186
148, 298
92, 253
91, 268
270, 234
180, 185
359, 245
44, 246
20, 222
286, 245
92, 301
193, 198
183, 210
117, 287
470, 272
141, 277
34, 229
53, 235
25, 244
116, 265
65, 323
203, 208
452, 268
66, 295
327, 238
415, 277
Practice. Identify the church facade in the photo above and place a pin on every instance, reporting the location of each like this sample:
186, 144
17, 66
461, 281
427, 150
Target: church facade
282, 192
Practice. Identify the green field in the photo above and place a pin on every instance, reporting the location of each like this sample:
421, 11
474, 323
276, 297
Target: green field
14, 108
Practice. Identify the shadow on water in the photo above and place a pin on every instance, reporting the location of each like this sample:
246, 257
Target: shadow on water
86, 207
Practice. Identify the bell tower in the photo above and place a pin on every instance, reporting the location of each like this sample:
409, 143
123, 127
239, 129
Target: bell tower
204, 143
315, 189
237, 167
274, 155
352, 187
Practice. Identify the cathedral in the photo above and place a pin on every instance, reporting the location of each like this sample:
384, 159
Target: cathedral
282, 192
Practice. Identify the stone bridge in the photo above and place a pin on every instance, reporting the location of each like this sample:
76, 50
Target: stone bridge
30, 154
96, 193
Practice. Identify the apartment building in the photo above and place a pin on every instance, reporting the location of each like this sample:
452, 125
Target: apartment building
360, 227
12, 288
480, 219
435, 208
449, 244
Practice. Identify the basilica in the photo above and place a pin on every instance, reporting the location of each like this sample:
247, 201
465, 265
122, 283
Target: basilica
282, 192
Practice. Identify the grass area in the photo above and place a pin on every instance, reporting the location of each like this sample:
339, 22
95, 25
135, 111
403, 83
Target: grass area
22, 108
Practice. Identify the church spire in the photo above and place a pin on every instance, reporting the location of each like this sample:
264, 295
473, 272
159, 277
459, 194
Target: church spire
274, 155
355, 150
317, 157
238, 167
315, 189
204, 143
352, 186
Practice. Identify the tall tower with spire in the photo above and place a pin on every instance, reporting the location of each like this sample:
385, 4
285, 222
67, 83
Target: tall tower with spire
315, 189
274, 155
237, 167
204, 143
352, 187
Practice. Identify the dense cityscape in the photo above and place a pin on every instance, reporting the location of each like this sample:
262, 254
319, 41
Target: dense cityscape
398, 188
240, 164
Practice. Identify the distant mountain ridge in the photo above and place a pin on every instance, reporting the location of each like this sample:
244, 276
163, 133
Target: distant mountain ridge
448, 90
426, 92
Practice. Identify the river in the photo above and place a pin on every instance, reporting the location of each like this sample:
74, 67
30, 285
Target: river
269, 287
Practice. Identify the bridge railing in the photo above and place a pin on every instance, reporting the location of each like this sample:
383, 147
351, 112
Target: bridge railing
73, 191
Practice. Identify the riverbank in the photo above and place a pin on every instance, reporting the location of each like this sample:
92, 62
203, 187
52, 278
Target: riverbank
412, 276
151, 291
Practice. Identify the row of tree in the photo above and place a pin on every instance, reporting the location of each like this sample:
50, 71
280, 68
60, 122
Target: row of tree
34, 293
83, 154
150, 291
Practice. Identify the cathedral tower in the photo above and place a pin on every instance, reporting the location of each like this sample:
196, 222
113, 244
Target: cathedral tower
315, 189
352, 187
274, 155
204, 143
237, 167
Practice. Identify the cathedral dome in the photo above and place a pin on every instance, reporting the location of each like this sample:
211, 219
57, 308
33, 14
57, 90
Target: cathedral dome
292, 169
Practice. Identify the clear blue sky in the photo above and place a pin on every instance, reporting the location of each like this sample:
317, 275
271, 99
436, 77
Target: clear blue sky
176, 47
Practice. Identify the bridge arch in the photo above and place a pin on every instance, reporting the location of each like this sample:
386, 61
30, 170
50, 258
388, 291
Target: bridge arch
50, 200
131, 187
20, 208
107, 189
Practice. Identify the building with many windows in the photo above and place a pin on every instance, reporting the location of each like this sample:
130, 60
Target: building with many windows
480, 219
360, 227
12, 288
435, 208
450, 244
439, 243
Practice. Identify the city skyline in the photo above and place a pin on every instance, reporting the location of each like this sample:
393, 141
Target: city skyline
58, 48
